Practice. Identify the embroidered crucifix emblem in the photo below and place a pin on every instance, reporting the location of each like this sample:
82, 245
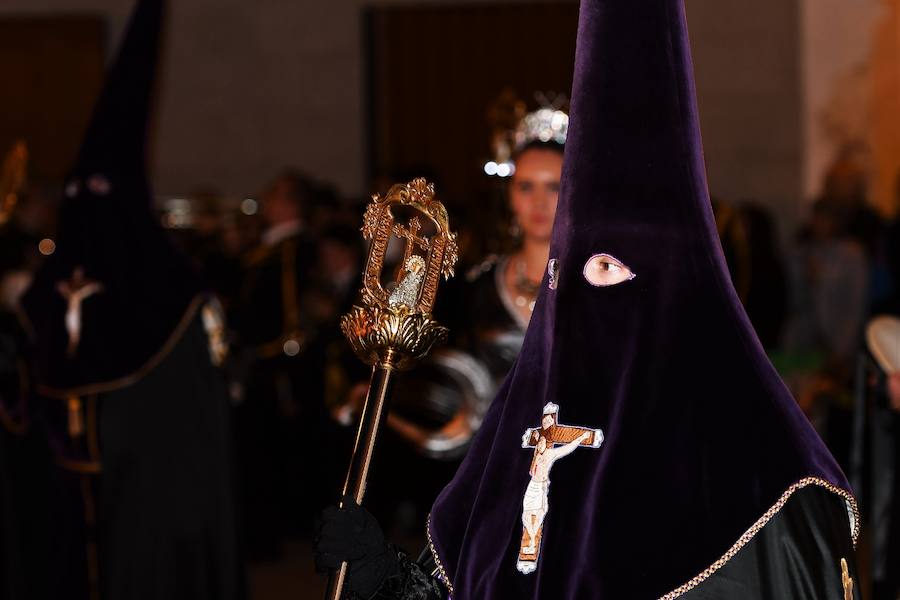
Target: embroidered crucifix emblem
76, 290
535, 506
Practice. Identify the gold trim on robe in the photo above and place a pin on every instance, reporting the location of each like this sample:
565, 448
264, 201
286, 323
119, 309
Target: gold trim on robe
852, 510
103, 387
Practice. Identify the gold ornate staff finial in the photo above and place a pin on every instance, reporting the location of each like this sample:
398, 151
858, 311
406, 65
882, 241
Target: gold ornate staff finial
12, 179
393, 329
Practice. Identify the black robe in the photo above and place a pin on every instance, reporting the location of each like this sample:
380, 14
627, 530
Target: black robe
24, 472
875, 461
795, 556
271, 303
278, 419
491, 328
157, 521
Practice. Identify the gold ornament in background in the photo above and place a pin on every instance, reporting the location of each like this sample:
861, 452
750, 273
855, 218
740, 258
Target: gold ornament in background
846, 580
12, 179
397, 330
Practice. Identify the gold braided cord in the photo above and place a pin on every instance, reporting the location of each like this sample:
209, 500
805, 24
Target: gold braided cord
104, 387
437, 559
852, 509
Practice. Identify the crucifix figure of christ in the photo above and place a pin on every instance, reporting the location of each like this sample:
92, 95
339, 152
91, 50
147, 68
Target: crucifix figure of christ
551, 442
76, 290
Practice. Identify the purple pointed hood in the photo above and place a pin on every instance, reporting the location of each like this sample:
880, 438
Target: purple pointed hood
701, 437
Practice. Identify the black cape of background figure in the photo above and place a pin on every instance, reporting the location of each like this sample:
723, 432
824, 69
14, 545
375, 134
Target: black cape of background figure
126, 359
707, 481
280, 413
24, 462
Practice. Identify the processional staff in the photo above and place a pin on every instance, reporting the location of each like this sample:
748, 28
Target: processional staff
392, 331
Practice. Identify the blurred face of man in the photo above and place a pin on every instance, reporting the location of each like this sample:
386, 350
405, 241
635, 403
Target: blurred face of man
279, 203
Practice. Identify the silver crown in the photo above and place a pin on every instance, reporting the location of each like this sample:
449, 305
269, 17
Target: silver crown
544, 124
547, 124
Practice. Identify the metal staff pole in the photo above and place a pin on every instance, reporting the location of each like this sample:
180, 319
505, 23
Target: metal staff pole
394, 331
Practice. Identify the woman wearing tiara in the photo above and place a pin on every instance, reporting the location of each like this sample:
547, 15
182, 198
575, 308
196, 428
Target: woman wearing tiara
501, 291
489, 310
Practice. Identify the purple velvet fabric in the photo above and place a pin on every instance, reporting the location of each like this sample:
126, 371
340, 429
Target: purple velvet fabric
108, 226
702, 437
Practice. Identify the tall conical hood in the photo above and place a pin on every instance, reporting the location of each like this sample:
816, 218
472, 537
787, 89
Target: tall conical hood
116, 138
110, 300
637, 333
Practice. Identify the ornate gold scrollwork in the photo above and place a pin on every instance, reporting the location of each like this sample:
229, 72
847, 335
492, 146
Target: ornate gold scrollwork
379, 225
396, 329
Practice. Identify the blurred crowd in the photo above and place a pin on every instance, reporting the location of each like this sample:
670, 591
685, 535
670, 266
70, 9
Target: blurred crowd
810, 293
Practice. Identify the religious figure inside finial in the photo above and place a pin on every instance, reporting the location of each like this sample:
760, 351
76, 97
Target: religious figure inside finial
407, 291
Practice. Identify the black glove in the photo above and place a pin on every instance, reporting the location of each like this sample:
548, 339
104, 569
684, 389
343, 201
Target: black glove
352, 535
411, 582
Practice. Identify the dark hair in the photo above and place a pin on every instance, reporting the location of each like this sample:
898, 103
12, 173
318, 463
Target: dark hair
300, 186
538, 145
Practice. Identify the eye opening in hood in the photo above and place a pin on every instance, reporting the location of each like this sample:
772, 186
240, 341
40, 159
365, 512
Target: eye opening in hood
604, 270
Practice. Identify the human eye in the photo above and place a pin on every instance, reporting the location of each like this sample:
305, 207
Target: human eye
602, 270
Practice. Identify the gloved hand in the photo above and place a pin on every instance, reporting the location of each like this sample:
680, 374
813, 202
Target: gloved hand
353, 535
